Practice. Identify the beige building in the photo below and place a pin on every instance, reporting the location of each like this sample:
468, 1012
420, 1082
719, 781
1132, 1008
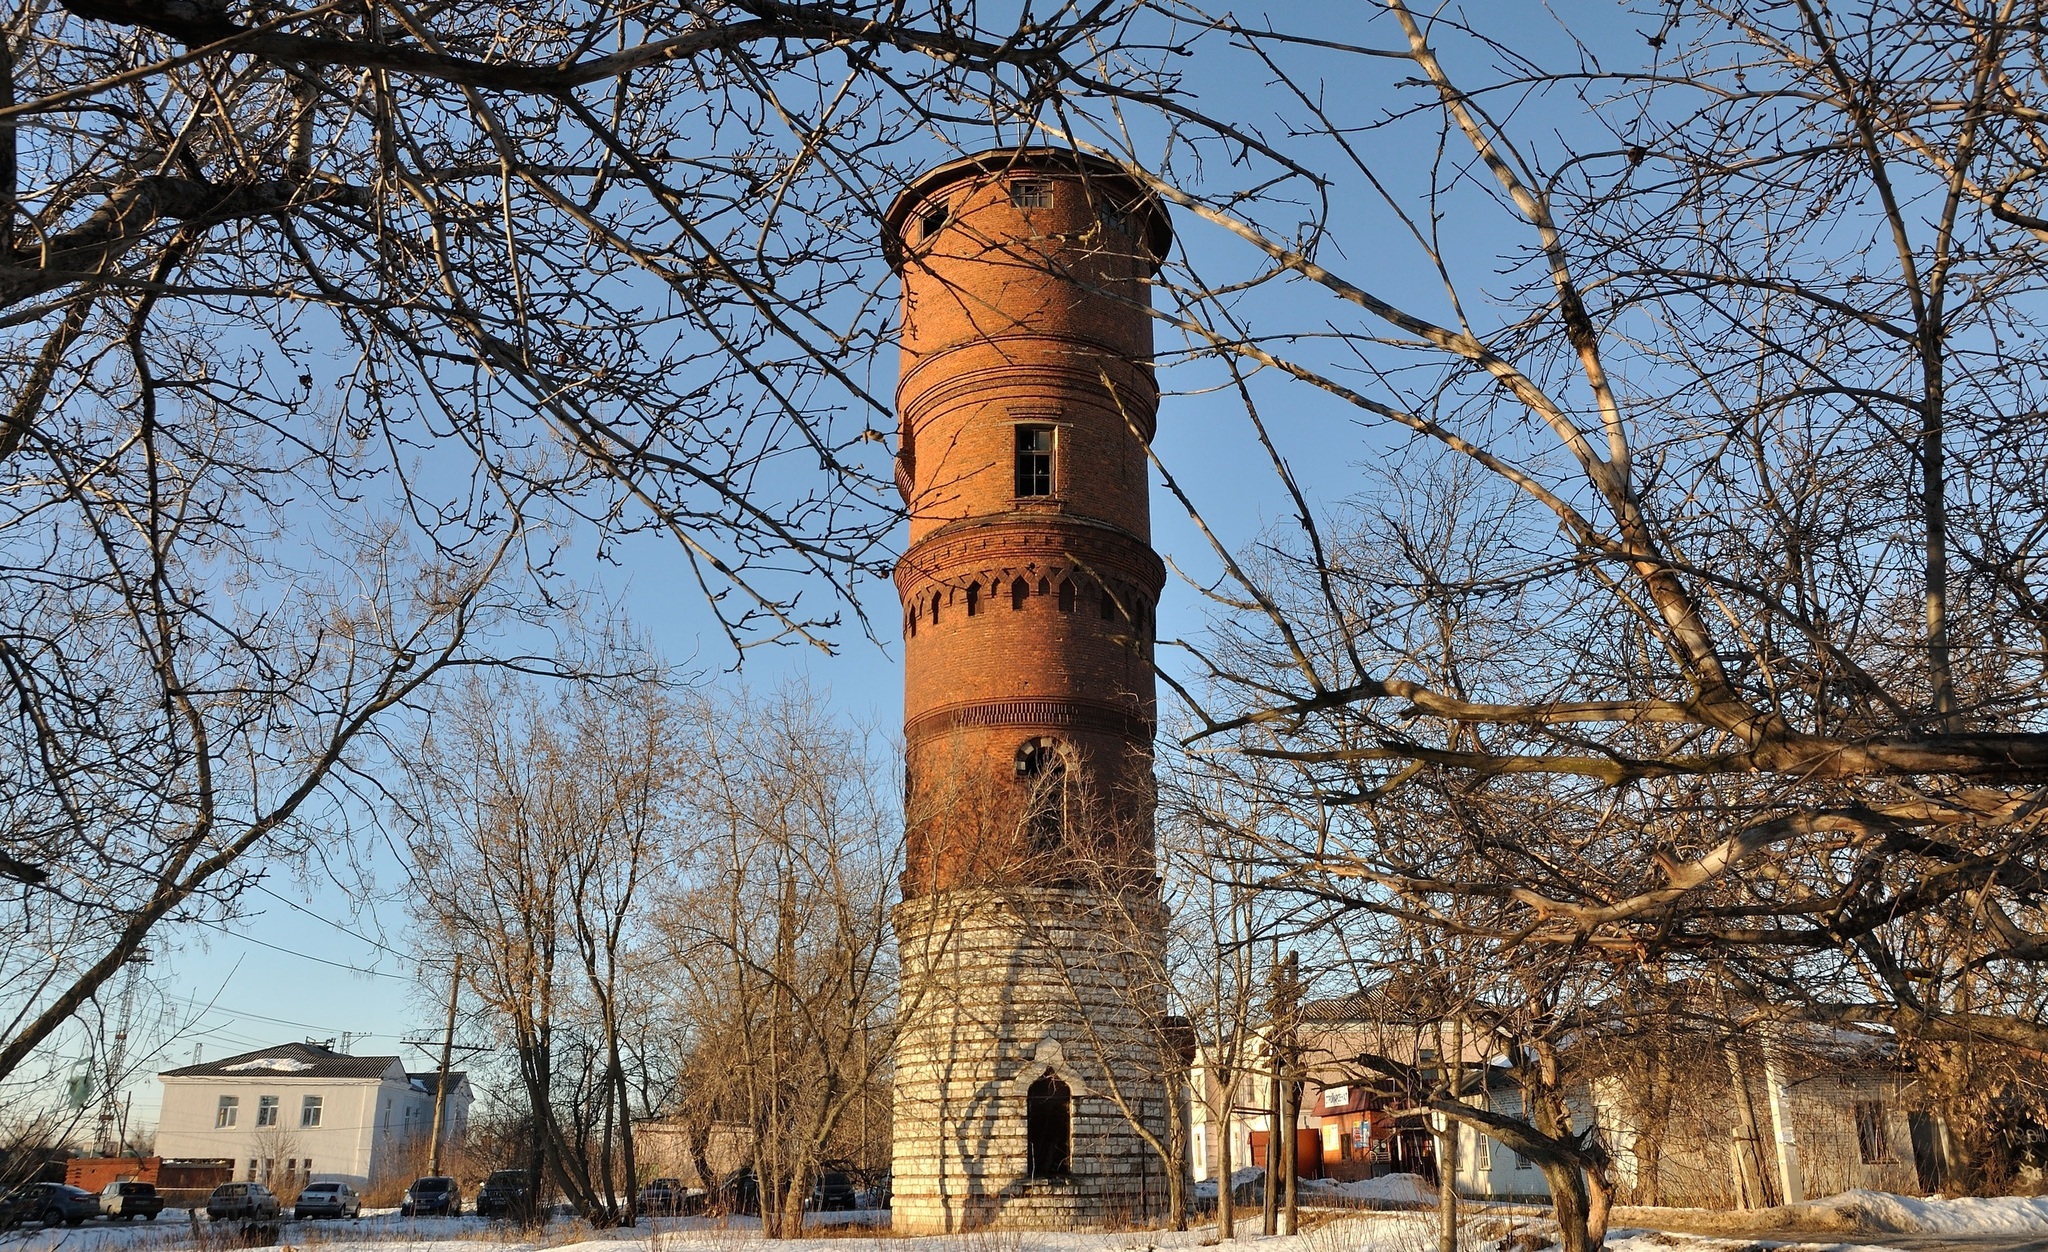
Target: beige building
302, 1112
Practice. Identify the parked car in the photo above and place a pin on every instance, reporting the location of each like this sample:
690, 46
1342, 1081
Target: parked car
327, 1199
741, 1192
130, 1200
662, 1197
880, 1193
503, 1193
53, 1202
432, 1196
251, 1200
833, 1193
16, 1206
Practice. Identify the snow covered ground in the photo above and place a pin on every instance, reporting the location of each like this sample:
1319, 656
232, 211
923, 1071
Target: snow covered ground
1870, 1215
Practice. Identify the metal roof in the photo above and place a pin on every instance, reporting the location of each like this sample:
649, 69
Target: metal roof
288, 1060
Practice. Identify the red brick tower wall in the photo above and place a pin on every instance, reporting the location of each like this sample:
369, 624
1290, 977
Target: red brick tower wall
1027, 617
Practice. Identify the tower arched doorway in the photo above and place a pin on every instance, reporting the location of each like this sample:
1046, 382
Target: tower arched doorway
1049, 1127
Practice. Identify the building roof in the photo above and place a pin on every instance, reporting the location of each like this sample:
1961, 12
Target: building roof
425, 1082
290, 1060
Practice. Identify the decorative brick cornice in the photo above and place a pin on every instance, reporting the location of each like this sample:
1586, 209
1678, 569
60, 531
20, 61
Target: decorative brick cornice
1029, 371
977, 547
1032, 713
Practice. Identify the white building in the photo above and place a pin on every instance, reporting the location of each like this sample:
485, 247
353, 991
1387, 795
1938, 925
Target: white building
301, 1112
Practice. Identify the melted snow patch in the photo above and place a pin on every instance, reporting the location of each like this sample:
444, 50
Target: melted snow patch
283, 1064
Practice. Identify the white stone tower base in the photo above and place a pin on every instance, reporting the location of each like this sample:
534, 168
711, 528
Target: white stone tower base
1001, 987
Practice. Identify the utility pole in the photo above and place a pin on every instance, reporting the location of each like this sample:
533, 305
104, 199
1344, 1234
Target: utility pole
1274, 1130
1290, 1003
441, 1084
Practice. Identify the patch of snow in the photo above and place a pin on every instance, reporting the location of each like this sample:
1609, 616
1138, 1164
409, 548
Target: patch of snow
282, 1064
1400, 1188
1882, 1212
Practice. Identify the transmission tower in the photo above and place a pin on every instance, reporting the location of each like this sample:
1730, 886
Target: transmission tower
117, 1056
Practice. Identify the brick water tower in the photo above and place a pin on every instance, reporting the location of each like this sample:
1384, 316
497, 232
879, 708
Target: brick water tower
1031, 1065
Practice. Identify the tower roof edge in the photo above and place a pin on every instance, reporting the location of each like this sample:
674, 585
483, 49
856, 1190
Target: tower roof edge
1033, 159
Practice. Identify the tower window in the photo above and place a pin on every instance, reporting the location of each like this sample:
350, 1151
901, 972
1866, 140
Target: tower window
1049, 1127
935, 607
973, 599
1042, 767
933, 221
1019, 590
1108, 603
1034, 460
1067, 596
1030, 194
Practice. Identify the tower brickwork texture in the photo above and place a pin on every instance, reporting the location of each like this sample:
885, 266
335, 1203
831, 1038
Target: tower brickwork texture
1032, 1066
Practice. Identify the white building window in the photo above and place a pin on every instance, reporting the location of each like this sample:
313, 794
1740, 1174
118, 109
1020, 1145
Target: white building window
266, 1110
225, 1114
309, 1111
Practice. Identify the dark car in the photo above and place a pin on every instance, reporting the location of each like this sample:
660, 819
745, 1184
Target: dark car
130, 1200
882, 1193
53, 1202
327, 1199
251, 1200
741, 1192
833, 1193
662, 1197
433, 1196
503, 1194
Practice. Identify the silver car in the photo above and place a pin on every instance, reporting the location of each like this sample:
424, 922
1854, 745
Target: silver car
327, 1199
242, 1199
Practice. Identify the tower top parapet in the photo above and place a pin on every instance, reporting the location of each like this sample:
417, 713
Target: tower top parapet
1119, 191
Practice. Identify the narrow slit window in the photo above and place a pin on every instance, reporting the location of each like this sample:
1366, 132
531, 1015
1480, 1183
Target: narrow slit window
1108, 604
1030, 193
935, 608
1019, 592
933, 221
973, 599
1066, 597
1034, 460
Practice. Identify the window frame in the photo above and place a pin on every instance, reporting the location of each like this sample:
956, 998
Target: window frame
1049, 474
1031, 193
311, 1109
227, 1112
266, 1110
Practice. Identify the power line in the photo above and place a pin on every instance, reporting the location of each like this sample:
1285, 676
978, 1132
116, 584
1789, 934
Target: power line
303, 956
353, 934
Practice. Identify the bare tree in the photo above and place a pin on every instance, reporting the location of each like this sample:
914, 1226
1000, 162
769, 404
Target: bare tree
536, 825
1698, 619
782, 935
311, 317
